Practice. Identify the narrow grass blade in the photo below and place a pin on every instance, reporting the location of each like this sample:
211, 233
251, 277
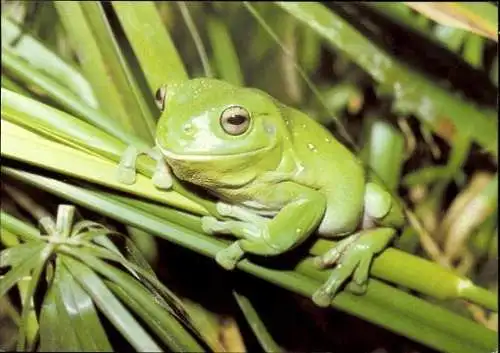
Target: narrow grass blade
139, 117
110, 306
15, 274
25, 232
412, 91
18, 254
174, 335
50, 334
38, 151
145, 31
92, 58
43, 59
259, 329
79, 311
61, 95
225, 56
153, 317
382, 304
477, 17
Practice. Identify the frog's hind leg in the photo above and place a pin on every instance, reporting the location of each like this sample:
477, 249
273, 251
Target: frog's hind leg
293, 224
353, 256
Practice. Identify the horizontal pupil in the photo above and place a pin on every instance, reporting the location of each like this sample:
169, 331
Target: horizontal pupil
236, 119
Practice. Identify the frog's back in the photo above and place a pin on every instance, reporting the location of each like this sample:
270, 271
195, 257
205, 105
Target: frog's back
332, 169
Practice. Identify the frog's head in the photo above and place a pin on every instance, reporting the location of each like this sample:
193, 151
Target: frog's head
209, 127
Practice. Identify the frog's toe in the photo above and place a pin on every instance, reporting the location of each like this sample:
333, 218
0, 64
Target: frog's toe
126, 175
322, 298
209, 224
229, 257
362, 273
356, 288
162, 180
327, 259
224, 209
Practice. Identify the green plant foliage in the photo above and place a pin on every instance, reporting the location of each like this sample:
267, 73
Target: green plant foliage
121, 271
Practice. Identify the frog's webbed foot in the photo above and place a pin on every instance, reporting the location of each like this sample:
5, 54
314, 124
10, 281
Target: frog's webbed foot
126, 173
353, 256
248, 226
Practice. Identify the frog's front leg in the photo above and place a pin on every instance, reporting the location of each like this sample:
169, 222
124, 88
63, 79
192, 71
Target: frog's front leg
126, 173
292, 225
354, 254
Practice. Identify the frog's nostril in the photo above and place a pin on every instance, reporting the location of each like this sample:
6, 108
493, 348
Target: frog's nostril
188, 128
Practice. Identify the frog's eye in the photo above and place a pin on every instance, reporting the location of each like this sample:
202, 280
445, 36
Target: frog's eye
235, 120
160, 96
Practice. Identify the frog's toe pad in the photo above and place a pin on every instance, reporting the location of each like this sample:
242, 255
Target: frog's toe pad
162, 181
229, 257
356, 288
126, 176
322, 298
224, 209
224, 261
209, 224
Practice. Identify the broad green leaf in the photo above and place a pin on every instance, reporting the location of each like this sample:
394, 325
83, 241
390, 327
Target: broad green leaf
11, 85
65, 322
110, 306
151, 43
50, 122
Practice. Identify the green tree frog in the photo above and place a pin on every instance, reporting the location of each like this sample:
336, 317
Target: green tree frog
279, 175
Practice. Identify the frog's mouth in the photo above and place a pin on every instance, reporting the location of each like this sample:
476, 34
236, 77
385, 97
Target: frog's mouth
210, 157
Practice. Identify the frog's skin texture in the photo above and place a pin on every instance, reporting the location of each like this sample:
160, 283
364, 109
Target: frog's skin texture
279, 175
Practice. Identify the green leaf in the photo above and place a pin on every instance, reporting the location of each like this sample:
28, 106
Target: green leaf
110, 306
18, 254
26, 264
259, 329
81, 314
61, 95
382, 304
27, 331
38, 151
46, 61
51, 338
151, 43
93, 59
153, 316
478, 17
139, 117
225, 56
412, 91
